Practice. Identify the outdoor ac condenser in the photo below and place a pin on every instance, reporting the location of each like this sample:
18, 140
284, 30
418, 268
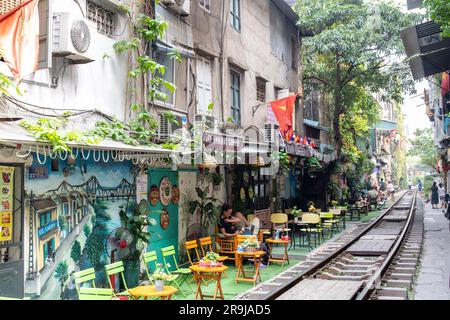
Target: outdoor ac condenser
182, 7
72, 37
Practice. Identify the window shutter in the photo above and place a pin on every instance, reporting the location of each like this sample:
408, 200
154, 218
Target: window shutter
203, 86
163, 131
45, 52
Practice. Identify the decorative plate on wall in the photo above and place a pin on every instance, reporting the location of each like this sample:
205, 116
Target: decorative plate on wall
175, 195
165, 191
164, 219
153, 196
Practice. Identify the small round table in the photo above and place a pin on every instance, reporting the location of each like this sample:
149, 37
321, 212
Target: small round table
151, 292
285, 258
214, 274
256, 256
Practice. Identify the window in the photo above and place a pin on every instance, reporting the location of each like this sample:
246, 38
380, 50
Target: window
203, 85
260, 90
205, 5
45, 218
169, 74
312, 106
103, 18
236, 96
236, 14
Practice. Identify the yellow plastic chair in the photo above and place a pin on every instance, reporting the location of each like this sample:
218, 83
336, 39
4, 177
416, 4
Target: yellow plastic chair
95, 294
338, 216
206, 246
314, 226
192, 246
113, 269
280, 220
84, 277
183, 273
328, 222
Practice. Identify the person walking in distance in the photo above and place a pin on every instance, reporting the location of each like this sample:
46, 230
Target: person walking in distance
390, 190
434, 195
442, 195
419, 186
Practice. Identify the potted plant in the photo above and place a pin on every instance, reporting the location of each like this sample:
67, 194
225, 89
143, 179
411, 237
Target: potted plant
334, 203
206, 207
210, 260
159, 277
250, 245
296, 213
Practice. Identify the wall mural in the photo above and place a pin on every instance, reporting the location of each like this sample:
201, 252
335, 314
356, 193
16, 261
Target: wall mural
74, 205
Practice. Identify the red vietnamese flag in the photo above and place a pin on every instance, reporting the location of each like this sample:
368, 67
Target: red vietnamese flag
445, 83
283, 110
19, 39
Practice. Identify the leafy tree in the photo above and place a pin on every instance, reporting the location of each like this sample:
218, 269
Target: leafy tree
423, 147
95, 247
353, 49
439, 11
86, 230
62, 274
75, 252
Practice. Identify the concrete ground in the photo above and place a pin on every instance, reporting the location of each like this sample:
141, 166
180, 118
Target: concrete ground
433, 282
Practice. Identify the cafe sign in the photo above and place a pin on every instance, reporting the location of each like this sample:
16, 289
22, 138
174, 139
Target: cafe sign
47, 228
222, 142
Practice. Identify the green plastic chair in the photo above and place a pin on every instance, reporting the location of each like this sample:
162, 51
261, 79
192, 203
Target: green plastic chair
83, 277
115, 269
95, 294
183, 273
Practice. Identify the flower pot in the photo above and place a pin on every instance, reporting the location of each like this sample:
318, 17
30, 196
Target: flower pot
159, 285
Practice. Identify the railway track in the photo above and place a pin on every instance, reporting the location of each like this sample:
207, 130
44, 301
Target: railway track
374, 260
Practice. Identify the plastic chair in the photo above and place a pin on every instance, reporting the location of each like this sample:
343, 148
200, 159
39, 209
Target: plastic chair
95, 294
206, 246
317, 230
83, 277
328, 223
278, 219
183, 273
116, 269
192, 246
338, 216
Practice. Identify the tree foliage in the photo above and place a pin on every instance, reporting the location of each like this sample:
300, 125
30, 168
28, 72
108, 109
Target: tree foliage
422, 146
75, 252
439, 11
354, 50
61, 274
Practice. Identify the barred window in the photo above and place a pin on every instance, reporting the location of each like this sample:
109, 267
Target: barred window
260, 90
103, 18
205, 5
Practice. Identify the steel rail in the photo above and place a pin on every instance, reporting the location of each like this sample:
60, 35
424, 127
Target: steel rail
318, 266
375, 279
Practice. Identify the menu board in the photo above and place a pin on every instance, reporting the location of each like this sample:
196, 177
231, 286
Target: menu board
141, 187
6, 202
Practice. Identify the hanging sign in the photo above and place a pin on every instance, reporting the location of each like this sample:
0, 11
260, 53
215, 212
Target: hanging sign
141, 187
165, 191
6, 202
38, 172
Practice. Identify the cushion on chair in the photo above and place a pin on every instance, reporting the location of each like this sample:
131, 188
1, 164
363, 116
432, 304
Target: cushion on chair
183, 271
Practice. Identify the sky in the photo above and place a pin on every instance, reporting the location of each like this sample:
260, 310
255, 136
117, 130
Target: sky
414, 110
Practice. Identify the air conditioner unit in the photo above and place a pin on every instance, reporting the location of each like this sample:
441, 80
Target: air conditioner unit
182, 7
271, 132
167, 129
72, 37
207, 122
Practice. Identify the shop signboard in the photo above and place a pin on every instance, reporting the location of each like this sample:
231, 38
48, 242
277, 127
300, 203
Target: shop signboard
42, 231
6, 202
38, 172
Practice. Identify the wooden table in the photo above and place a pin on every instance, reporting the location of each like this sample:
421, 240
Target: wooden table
215, 274
285, 258
256, 256
151, 292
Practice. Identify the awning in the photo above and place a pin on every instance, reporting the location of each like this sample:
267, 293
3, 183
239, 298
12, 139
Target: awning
315, 124
12, 134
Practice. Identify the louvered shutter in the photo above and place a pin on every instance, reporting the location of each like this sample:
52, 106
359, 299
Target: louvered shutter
45, 52
203, 85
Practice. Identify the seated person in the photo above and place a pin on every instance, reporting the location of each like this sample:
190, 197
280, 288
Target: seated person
229, 224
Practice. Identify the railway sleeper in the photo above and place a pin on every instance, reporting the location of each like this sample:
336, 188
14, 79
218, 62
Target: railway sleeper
400, 276
329, 276
393, 292
397, 283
